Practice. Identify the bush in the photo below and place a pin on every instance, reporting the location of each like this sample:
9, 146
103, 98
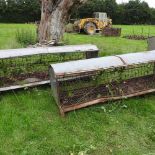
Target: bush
69, 28
26, 37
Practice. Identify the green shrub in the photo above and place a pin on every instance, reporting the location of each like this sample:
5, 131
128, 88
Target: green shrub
69, 28
26, 37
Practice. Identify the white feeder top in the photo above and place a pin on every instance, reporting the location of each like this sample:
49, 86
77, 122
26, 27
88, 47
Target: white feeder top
86, 65
103, 63
46, 50
136, 58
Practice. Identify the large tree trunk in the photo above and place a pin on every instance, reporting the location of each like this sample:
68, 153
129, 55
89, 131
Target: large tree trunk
54, 15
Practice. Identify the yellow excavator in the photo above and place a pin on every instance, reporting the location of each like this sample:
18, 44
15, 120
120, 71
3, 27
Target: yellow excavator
93, 25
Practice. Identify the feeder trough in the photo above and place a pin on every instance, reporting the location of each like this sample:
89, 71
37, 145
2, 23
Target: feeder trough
20, 68
151, 43
82, 83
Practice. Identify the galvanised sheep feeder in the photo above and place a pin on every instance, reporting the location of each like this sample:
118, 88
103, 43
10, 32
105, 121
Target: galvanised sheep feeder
20, 68
151, 43
82, 83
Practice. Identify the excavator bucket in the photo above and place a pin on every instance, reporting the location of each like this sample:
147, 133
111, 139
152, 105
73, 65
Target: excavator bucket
115, 32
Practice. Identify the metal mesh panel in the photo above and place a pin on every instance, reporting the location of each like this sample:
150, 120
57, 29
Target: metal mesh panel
108, 83
29, 67
22, 70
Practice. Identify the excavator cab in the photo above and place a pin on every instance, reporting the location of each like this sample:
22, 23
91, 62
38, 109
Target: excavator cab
101, 16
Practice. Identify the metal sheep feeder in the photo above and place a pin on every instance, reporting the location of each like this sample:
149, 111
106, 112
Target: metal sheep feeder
83, 83
28, 67
151, 43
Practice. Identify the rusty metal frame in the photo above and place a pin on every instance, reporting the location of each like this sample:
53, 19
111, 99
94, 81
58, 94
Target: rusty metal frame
101, 100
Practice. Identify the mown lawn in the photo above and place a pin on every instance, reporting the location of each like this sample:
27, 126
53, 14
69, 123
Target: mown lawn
30, 123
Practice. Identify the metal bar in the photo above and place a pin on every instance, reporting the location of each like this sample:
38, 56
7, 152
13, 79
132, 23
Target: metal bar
24, 86
46, 50
103, 100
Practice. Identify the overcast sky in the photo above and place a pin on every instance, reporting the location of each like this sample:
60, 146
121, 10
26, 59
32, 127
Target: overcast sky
150, 2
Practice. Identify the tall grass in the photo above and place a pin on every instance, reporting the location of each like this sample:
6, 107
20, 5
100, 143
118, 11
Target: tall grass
11, 44
26, 37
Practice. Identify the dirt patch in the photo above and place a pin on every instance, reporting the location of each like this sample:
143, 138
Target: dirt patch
135, 37
23, 79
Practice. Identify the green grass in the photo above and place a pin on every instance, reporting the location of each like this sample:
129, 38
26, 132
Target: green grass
8, 34
30, 122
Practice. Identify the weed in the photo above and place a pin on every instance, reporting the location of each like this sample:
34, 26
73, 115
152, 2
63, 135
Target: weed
26, 37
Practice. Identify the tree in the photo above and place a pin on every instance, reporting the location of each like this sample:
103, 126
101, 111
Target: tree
152, 10
133, 12
111, 9
19, 11
89, 8
85, 10
2, 10
54, 14
120, 18
137, 12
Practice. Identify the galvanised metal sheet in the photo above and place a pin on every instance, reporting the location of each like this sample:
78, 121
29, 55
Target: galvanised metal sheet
87, 65
104, 62
137, 58
151, 43
46, 50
